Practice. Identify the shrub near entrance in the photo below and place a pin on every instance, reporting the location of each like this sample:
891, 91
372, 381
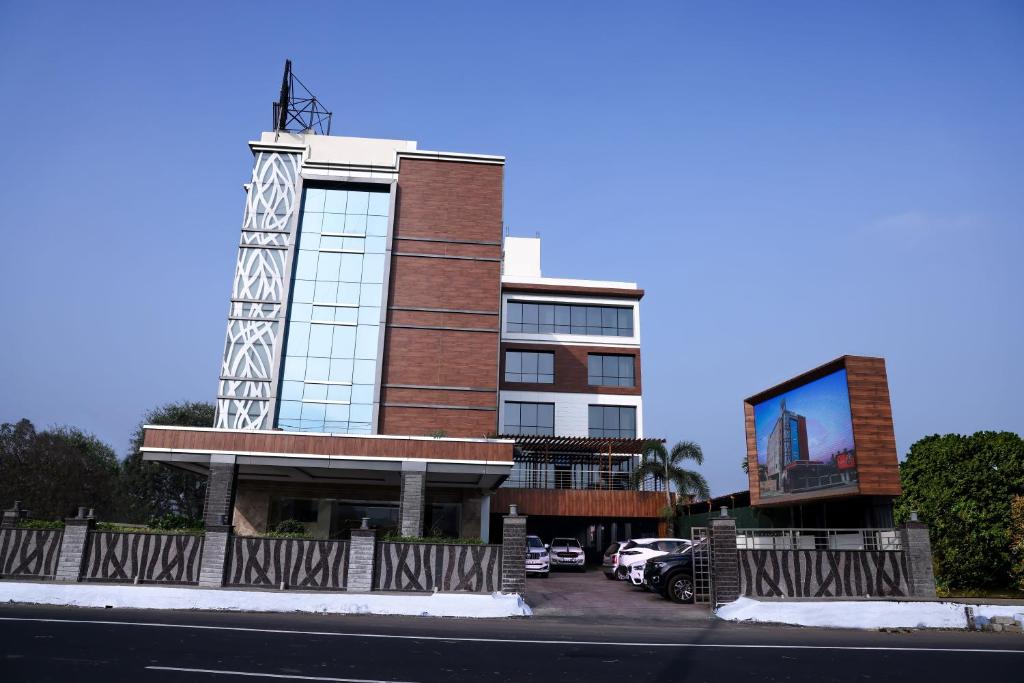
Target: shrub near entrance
963, 486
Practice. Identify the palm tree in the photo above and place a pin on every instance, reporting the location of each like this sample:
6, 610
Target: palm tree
666, 467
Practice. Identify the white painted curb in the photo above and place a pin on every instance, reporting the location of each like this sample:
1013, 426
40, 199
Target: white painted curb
494, 605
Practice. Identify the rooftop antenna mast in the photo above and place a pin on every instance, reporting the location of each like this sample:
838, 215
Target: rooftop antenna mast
297, 110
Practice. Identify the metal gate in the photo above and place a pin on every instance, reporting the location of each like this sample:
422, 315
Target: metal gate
701, 564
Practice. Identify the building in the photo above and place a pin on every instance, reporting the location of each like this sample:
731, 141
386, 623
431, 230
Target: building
375, 350
787, 445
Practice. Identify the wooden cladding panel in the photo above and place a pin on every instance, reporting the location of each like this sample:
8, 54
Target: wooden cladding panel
579, 503
571, 369
206, 441
441, 358
874, 439
873, 436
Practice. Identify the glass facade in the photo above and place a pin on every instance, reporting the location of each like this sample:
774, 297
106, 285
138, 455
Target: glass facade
607, 321
537, 367
529, 418
612, 421
610, 370
330, 358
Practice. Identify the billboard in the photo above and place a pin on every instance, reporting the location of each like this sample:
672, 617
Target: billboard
804, 440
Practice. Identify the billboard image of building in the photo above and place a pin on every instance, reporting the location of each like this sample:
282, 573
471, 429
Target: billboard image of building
804, 439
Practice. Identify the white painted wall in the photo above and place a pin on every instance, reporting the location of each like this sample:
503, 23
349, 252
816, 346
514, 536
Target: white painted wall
521, 257
571, 417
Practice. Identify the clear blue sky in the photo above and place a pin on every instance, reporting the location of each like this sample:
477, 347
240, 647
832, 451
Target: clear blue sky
788, 181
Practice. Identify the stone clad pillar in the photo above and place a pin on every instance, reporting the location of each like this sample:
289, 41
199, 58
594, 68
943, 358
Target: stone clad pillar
917, 548
361, 555
413, 498
725, 560
73, 546
217, 512
513, 553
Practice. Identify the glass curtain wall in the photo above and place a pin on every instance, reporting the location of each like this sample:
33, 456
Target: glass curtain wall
330, 359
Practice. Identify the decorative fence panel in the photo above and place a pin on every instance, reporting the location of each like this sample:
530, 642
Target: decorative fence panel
29, 552
823, 573
149, 558
296, 562
441, 566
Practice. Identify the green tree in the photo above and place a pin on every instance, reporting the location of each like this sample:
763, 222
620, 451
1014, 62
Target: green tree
55, 471
667, 468
962, 487
149, 489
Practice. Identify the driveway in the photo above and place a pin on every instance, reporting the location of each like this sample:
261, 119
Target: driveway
568, 594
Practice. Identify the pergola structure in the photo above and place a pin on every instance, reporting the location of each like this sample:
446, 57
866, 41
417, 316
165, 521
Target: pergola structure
602, 453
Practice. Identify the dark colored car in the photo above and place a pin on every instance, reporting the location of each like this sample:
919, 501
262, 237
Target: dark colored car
672, 575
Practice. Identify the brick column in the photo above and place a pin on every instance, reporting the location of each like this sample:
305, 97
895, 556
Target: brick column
917, 548
513, 553
725, 560
361, 553
412, 500
73, 546
217, 512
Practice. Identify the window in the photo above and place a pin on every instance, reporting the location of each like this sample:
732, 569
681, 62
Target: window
529, 418
610, 371
608, 321
612, 421
530, 366
330, 355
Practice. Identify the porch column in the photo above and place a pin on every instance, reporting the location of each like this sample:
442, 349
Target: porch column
412, 500
513, 553
485, 518
217, 511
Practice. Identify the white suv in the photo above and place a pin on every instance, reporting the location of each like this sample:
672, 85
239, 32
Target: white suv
537, 559
566, 552
636, 552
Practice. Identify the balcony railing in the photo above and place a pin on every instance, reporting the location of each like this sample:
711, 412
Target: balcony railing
591, 479
818, 539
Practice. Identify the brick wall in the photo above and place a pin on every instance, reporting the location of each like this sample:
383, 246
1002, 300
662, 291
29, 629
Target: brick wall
446, 257
571, 369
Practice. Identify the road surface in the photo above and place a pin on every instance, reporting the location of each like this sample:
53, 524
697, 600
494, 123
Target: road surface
72, 644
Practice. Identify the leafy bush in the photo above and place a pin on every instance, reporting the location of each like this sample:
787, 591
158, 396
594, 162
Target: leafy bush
40, 524
963, 486
139, 529
398, 538
290, 526
1017, 541
172, 521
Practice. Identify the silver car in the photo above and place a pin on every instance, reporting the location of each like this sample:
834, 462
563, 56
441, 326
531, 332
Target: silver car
567, 552
537, 558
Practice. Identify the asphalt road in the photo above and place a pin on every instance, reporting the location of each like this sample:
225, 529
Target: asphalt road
69, 644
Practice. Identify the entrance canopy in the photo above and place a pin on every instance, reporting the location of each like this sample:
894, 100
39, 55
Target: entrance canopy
332, 458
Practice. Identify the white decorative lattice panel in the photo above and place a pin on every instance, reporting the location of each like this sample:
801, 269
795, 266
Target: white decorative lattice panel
257, 294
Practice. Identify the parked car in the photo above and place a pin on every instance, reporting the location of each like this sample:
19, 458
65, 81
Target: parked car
672, 575
635, 560
566, 552
610, 561
537, 558
639, 549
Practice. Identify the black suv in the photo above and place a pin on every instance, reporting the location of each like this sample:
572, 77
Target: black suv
672, 574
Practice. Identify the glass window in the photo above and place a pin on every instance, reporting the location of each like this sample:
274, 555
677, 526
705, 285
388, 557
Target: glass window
530, 366
612, 421
330, 358
529, 418
606, 370
531, 318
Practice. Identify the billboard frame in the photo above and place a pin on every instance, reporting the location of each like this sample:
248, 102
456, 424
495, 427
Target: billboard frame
874, 439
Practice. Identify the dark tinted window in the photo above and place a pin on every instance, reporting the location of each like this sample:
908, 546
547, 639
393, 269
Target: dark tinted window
612, 421
607, 370
608, 321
